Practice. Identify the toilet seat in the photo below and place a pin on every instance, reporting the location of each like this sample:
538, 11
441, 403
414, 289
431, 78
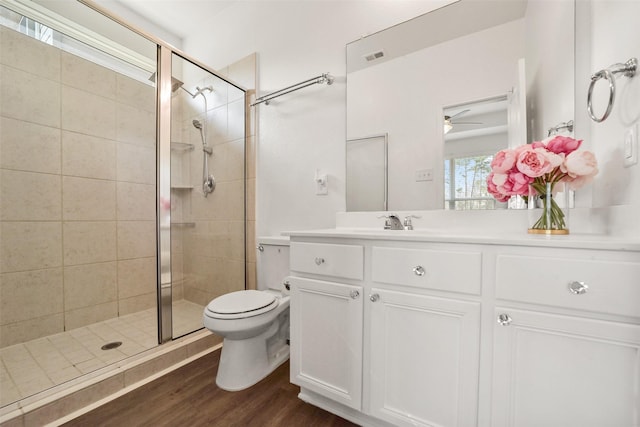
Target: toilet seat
241, 304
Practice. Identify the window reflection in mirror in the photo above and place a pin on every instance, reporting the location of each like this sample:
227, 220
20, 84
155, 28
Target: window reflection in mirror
473, 133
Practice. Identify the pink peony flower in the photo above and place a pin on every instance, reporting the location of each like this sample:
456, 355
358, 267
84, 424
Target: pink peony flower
535, 162
503, 161
580, 167
563, 144
492, 188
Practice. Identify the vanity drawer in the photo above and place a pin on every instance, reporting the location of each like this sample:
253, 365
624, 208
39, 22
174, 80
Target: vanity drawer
612, 286
427, 268
346, 261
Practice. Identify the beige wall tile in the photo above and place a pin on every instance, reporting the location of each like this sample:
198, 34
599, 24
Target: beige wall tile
135, 126
136, 94
88, 156
29, 196
86, 199
203, 344
136, 239
251, 157
29, 146
217, 127
30, 329
30, 294
24, 96
252, 282
251, 199
136, 163
27, 54
88, 113
236, 120
30, 246
90, 284
89, 242
136, 202
137, 303
136, 277
235, 160
87, 315
243, 72
251, 241
88, 76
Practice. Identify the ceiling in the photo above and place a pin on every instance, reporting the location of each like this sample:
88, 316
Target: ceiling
176, 16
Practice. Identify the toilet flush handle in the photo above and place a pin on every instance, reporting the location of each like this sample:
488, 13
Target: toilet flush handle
287, 285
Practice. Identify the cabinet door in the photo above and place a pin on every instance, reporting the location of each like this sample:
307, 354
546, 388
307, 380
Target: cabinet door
326, 339
552, 370
424, 359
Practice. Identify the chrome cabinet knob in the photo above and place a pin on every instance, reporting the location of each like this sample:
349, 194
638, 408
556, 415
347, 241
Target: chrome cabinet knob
374, 297
504, 319
419, 270
578, 288
354, 294
319, 261
260, 248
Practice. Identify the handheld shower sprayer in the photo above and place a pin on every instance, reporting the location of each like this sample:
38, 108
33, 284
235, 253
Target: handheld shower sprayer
208, 181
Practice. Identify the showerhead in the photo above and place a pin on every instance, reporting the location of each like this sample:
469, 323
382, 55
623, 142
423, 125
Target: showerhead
197, 124
175, 83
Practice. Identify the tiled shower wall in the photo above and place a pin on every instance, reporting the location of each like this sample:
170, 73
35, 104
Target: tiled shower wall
77, 159
208, 259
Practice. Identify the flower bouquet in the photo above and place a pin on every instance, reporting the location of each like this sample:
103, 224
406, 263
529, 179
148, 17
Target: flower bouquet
535, 170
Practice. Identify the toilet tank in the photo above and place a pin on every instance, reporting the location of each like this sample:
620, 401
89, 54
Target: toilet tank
272, 262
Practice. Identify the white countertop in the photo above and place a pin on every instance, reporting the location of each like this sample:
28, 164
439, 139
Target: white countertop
577, 240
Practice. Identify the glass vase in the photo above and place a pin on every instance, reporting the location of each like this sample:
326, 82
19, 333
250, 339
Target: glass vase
548, 208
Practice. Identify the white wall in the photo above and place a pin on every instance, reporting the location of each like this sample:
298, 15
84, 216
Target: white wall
305, 130
615, 38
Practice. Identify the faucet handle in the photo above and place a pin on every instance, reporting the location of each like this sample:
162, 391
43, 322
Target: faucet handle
408, 225
387, 221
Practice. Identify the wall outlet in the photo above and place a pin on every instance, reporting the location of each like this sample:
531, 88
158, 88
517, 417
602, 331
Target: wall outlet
424, 175
630, 149
322, 185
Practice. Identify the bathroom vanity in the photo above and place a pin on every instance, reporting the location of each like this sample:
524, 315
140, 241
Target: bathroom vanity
411, 328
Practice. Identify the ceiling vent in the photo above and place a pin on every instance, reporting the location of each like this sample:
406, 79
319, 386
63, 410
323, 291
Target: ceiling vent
375, 55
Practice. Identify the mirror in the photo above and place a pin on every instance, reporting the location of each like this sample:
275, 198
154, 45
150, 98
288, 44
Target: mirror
405, 80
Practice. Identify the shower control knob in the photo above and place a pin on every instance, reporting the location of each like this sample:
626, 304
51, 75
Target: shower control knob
354, 294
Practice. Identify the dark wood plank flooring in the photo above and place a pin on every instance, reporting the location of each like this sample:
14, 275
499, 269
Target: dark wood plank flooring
189, 396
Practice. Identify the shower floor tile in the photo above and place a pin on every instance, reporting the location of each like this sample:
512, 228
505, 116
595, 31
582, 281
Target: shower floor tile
34, 366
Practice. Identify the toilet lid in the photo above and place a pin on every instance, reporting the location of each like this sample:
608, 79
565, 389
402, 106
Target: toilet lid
241, 304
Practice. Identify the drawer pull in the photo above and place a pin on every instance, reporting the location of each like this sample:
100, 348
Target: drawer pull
319, 261
374, 297
504, 319
419, 270
354, 294
578, 288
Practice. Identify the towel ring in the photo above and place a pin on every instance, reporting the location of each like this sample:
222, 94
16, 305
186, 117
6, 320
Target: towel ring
628, 69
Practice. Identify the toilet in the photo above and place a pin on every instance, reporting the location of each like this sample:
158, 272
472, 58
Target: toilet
254, 323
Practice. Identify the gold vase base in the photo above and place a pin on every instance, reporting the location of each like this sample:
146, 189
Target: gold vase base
548, 232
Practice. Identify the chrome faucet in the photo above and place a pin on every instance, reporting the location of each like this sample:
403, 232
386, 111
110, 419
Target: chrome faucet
392, 222
408, 225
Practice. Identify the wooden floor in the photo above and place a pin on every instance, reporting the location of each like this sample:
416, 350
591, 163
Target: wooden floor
189, 396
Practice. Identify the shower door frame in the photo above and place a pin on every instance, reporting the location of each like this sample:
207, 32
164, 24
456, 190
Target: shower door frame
163, 166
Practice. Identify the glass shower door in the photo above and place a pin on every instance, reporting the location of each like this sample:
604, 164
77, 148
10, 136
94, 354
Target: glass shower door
207, 191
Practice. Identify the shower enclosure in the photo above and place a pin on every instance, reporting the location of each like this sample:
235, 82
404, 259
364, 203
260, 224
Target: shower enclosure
122, 192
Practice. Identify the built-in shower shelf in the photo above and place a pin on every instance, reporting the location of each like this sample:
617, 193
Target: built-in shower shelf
182, 187
181, 147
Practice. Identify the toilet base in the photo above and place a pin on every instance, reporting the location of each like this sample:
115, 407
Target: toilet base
244, 363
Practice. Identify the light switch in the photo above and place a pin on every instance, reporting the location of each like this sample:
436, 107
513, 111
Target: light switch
630, 148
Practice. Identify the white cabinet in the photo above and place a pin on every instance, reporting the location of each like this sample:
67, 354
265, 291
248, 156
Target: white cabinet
424, 359
326, 339
556, 370
405, 333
